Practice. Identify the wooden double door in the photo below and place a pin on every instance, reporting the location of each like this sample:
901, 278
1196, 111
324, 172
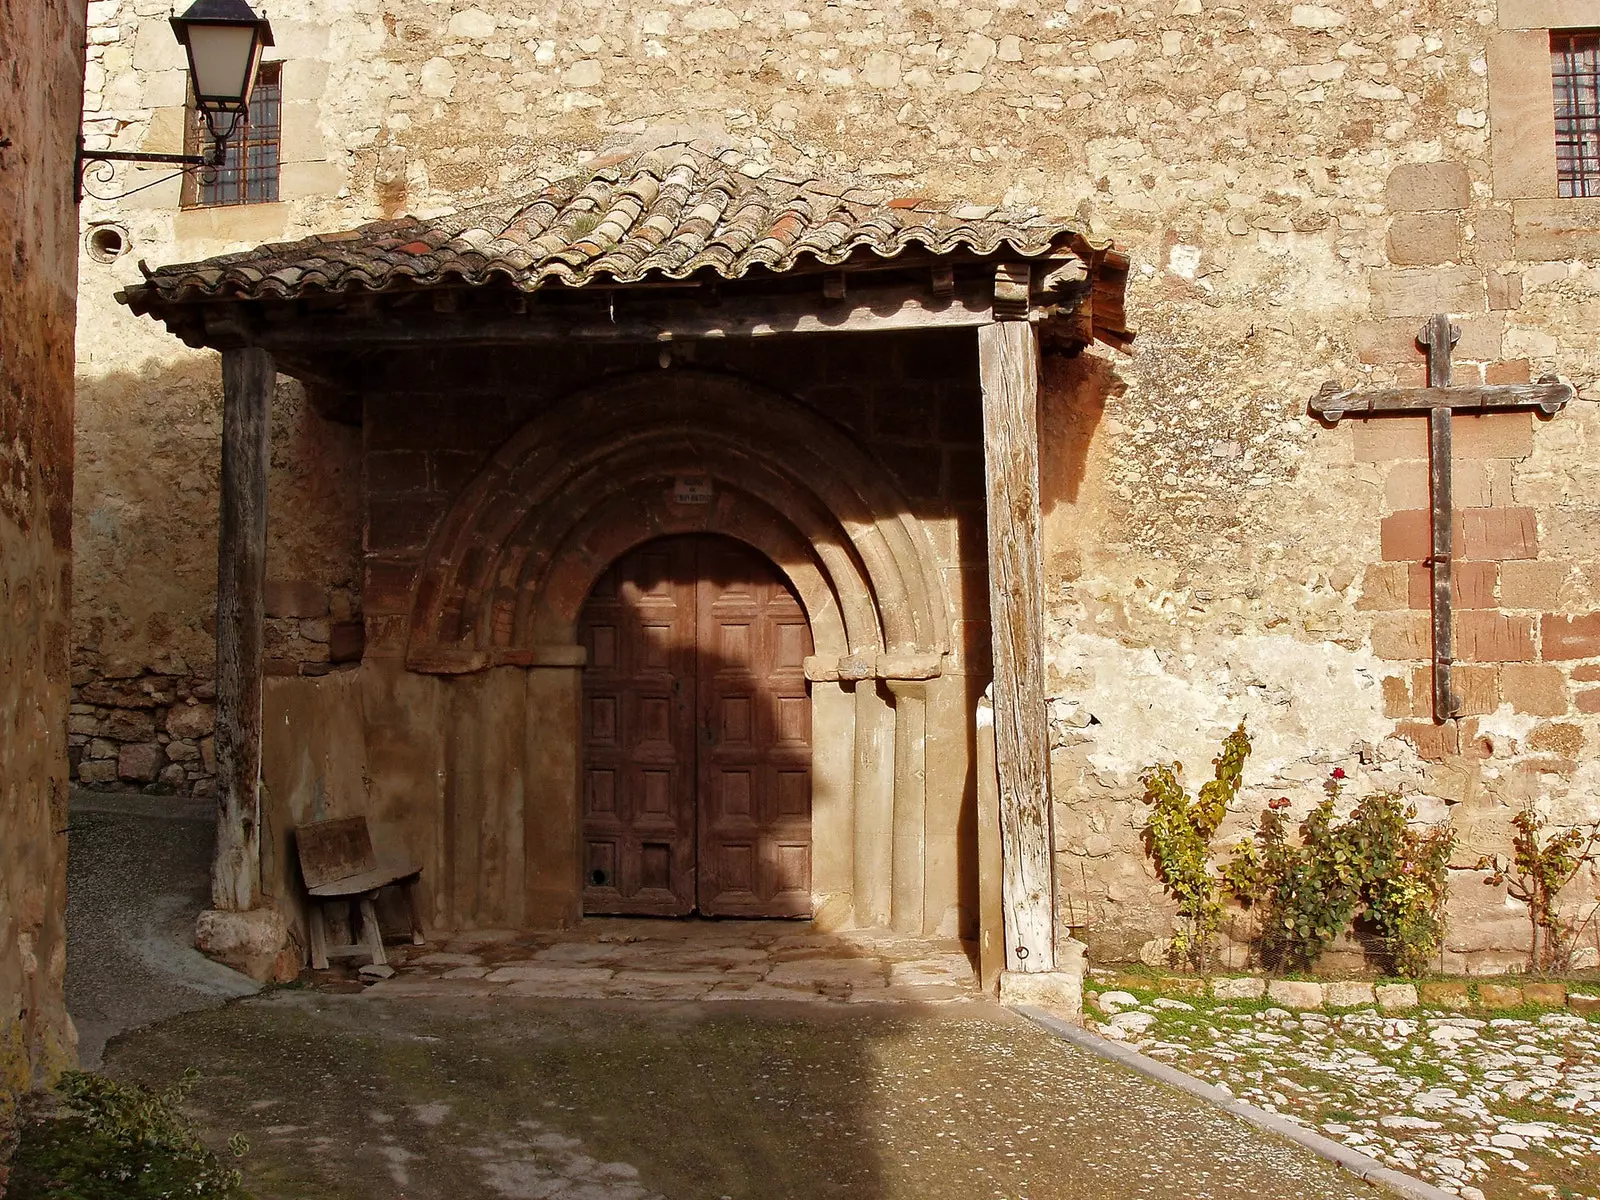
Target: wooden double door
696, 735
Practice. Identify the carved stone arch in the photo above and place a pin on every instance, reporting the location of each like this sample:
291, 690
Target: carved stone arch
502, 573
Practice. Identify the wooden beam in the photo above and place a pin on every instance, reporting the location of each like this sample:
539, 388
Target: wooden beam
247, 382
1549, 398
1008, 363
863, 310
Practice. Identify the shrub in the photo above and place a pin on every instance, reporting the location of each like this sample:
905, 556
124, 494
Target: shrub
1178, 836
1374, 863
104, 1140
1536, 874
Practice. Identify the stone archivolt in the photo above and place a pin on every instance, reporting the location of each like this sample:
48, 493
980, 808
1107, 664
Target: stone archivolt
512, 563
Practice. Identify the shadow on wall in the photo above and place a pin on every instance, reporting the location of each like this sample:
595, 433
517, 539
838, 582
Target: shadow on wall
1073, 394
145, 515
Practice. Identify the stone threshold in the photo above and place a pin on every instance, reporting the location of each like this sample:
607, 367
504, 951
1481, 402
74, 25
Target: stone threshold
1452, 994
1362, 1166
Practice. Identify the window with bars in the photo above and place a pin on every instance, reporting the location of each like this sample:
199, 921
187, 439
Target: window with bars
249, 170
1575, 71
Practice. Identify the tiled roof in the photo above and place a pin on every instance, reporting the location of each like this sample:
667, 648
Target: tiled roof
664, 214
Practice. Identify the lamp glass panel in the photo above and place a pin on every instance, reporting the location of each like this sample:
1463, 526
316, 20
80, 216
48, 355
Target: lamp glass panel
222, 56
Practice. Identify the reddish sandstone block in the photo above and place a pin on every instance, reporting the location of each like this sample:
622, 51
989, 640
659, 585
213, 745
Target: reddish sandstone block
1588, 701
1384, 587
1401, 637
1407, 485
1586, 672
397, 471
296, 598
1485, 435
1569, 637
1478, 689
1505, 290
1514, 370
1433, 742
1396, 696
1532, 584
345, 641
1472, 585
1537, 689
1394, 342
1490, 534
387, 589
1407, 535
1493, 637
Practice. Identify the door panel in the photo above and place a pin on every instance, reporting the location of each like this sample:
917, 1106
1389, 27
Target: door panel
638, 735
697, 735
755, 738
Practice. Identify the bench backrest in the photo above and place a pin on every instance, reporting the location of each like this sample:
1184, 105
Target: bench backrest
334, 850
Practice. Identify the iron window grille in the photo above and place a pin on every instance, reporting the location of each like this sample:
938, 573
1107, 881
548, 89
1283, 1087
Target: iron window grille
1575, 72
249, 170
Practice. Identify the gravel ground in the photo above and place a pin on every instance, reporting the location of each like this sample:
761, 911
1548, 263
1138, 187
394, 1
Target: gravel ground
138, 872
346, 1096
1503, 1106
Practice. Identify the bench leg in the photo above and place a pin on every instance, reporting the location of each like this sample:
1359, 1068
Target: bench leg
318, 926
370, 933
418, 937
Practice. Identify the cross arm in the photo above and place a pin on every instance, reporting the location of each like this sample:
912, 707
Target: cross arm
1549, 396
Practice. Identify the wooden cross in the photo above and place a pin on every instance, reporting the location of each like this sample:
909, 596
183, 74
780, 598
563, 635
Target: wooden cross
1440, 401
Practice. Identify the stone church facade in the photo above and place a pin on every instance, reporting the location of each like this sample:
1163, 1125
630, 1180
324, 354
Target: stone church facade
1297, 188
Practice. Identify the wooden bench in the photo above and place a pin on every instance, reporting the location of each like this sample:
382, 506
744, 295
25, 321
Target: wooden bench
339, 867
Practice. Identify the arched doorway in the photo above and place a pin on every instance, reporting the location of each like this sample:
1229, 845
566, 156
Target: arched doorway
696, 730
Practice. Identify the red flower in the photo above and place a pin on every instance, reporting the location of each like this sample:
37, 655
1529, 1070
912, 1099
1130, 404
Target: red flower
1338, 772
1280, 802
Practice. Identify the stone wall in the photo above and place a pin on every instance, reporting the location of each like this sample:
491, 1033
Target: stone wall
1300, 186
38, 113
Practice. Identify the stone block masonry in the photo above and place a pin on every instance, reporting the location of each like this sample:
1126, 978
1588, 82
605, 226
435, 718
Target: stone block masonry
42, 79
1299, 186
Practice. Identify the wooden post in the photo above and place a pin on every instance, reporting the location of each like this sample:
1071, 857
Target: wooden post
247, 382
1008, 363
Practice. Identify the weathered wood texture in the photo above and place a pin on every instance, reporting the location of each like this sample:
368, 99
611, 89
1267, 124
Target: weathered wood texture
247, 382
1439, 337
1494, 397
1009, 368
864, 310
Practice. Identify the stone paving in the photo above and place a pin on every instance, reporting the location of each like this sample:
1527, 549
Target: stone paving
358, 1097
622, 959
1497, 1106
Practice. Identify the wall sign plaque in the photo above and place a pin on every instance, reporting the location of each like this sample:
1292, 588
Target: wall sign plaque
692, 489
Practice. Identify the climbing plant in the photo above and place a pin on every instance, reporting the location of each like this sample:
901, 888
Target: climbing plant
1374, 864
1536, 874
1178, 835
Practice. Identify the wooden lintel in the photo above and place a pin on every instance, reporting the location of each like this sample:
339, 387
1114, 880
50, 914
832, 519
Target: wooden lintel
248, 377
864, 310
1009, 372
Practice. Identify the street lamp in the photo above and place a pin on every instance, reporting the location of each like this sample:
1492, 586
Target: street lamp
223, 40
